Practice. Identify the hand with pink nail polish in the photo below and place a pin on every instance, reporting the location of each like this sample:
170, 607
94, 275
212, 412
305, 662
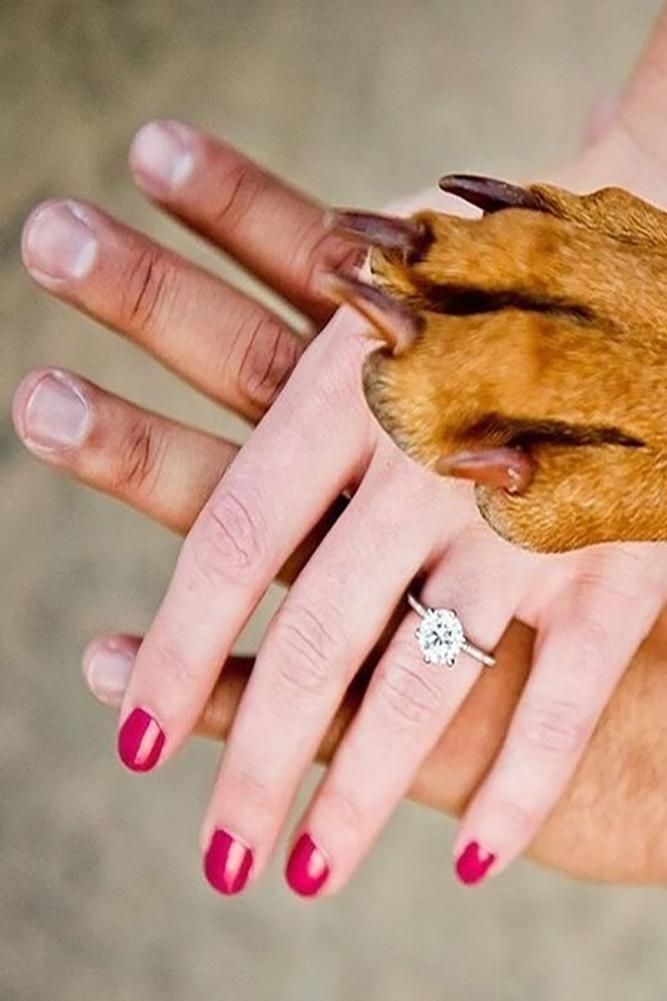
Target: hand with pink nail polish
599, 829
317, 442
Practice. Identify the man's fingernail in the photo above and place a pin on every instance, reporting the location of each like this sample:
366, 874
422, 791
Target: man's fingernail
473, 863
55, 415
162, 156
140, 741
307, 867
227, 863
108, 671
58, 242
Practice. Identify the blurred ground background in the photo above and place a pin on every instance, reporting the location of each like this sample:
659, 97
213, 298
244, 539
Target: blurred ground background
100, 892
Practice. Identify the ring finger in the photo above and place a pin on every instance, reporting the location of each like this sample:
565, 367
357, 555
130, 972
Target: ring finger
408, 705
585, 642
327, 626
154, 464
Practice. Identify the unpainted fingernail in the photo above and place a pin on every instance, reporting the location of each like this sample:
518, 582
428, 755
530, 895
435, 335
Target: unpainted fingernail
108, 672
473, 863
58, 243
307, 868
140, 741
55, 415
162, 156
227, 863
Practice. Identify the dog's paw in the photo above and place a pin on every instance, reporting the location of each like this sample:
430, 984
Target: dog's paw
525, 350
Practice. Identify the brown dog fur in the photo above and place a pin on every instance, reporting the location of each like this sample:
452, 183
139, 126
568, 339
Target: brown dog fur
541, 333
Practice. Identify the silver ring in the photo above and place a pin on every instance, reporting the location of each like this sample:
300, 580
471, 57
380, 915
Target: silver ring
441, 637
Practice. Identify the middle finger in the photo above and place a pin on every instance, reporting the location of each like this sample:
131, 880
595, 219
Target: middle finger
408, 705
253, 521
220, 340
325, 629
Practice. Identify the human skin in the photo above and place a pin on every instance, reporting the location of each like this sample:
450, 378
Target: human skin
609, 824
554, 721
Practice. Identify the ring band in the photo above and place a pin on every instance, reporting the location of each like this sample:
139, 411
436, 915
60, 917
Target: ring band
441, 637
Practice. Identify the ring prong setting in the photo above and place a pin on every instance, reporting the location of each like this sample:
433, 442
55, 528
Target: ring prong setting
441, 637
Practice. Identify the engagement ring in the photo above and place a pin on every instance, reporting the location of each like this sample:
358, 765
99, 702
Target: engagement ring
441, 637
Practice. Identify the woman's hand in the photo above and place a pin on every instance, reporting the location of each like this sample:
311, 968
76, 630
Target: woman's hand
608, 826
318, 441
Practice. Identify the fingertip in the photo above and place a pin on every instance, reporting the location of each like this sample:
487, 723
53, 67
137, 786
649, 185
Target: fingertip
162, 156
30, 223
107, 664
473, 862
51, 411
140, 741
20, 398
308, 868
58, 242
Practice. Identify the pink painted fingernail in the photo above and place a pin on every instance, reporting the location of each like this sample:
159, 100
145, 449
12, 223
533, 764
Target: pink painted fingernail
162, 157
307, 868
58, 242
140, 741
473, 863
227, 863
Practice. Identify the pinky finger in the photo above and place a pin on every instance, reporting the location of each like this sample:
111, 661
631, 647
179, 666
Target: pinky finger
581, 656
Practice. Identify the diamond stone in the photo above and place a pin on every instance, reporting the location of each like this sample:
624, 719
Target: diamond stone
440, 636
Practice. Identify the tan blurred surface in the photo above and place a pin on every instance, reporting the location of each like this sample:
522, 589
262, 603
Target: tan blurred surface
100, 891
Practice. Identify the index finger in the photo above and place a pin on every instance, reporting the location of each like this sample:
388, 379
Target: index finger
270, 228
256, 517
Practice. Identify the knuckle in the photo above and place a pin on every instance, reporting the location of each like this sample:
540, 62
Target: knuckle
320, 251
243, 186
175, 666
596, 651
305, 649
328, 378
516, 818
615, 573
557, 726
231, 540
249, 789
271, 352
140, 457
145, 288
408, 694
344, 808
592, 645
